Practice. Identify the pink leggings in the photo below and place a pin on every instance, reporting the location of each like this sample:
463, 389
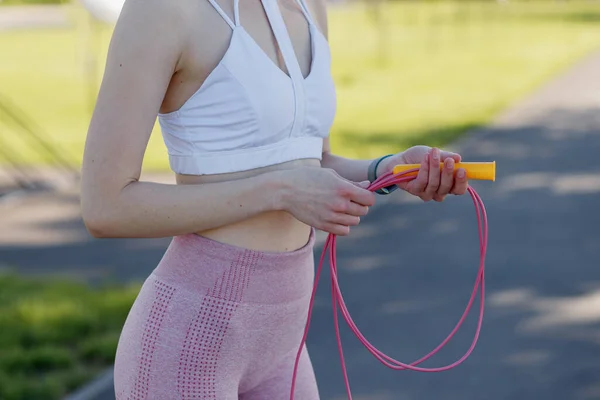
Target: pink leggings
218, 322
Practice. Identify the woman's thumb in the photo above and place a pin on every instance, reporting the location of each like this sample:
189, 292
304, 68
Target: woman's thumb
363, 184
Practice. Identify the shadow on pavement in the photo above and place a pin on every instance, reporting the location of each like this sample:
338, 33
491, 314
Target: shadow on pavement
408, 272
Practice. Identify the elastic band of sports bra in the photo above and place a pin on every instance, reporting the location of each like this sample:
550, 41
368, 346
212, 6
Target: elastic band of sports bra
338, 301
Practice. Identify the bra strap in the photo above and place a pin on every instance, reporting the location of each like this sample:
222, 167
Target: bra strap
224, 15
236, 12
305, 11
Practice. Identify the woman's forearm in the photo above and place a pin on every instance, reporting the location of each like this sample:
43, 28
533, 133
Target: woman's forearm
351, 169
149, 210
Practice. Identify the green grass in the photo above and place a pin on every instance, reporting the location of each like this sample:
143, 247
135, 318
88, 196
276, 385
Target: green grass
56, 334
445, 67
448, 67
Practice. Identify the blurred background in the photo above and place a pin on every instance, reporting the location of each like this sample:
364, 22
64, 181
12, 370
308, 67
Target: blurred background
517, 82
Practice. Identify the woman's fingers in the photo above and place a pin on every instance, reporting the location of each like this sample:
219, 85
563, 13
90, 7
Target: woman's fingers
345, 219
336, 229
447, 180
448, 154
434, 175
435, 183
346, 216
418, 185
460, 182
357, 209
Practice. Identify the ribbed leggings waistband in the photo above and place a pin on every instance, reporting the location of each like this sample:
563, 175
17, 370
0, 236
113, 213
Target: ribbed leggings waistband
212, 268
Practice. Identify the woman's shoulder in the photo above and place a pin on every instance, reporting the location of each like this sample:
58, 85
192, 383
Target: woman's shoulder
157, 23
173, 15
154, 8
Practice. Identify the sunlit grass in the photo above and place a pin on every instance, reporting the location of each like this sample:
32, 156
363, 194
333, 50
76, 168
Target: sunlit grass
447, 67
56, 334
424, 72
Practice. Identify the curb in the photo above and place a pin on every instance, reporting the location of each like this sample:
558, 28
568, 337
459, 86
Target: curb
93, 390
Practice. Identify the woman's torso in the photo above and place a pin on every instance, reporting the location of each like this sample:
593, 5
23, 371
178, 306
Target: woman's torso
209, 38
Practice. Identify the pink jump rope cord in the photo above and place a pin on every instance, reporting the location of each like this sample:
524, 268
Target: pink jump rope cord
337, 299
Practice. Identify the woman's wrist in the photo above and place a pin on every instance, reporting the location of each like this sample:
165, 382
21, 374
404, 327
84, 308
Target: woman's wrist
351, 169
381, 166
384, 165
278, 188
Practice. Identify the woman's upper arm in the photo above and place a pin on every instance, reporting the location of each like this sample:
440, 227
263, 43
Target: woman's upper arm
319, 9
326, 145
320, 15
143, 55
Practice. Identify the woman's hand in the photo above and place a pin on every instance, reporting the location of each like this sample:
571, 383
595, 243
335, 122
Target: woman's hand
321, 198
430, 183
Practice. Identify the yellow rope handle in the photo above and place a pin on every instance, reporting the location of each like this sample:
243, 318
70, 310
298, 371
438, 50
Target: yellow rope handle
475, 170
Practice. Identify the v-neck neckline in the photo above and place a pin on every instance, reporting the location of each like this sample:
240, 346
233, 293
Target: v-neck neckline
284, 43
277, 67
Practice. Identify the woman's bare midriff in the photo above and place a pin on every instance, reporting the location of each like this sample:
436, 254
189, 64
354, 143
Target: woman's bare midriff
273, 231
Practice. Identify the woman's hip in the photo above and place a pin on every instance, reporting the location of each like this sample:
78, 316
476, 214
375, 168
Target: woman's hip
206, 267
214, 312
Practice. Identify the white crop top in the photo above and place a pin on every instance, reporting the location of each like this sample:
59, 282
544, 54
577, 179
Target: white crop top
249, 113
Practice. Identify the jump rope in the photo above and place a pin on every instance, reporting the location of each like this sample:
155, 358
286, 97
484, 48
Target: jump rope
405, 173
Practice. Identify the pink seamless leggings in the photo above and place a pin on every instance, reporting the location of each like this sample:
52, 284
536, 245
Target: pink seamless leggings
218, 322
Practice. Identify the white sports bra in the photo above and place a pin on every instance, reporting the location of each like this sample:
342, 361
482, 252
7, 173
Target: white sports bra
249, 113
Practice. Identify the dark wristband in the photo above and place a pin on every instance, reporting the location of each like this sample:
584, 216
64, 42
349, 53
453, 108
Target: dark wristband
372, 175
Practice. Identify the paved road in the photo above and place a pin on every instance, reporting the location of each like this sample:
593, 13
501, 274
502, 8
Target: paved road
408, 271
